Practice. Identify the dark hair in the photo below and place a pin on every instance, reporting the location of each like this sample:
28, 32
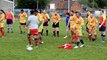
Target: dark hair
36, 11
22, 10
102, 11
72, 11
78, 13
68, 14
32, 12
3, 12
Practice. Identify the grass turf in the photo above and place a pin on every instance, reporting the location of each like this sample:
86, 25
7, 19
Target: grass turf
13, 47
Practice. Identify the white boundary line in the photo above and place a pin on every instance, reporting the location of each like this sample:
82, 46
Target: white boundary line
96, 46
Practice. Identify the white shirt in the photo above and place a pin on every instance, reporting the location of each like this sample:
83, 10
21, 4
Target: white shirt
34, 22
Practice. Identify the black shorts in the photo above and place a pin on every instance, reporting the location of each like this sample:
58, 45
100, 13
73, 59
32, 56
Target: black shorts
55, 25
22, 23
9, 21
45, 24
102, 28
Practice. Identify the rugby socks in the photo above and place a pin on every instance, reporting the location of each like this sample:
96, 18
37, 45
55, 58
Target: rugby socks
95, 36
36, 42
46, 32
21, 32
11, 30
8, 29
90, 36
54, 34
78, 43
57, 33
103, 37
29, 40
81, 41
73, 37
2, 32
42, 32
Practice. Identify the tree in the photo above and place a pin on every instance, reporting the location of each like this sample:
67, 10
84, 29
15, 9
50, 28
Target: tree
97, 3
32, 4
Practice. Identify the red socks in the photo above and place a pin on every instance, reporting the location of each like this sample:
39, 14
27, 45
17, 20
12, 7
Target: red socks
95, 36
73, 38
2, 32
29, 40
90, 36
36, 42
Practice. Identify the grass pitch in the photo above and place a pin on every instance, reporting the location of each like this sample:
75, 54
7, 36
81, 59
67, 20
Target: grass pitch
13, 47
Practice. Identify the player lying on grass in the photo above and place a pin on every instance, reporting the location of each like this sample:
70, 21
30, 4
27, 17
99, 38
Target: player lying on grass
33, 23
2, 22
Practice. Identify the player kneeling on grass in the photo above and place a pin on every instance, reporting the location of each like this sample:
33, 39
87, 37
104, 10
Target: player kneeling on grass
92, 26
33, 24
55, 25
78, 30
2, 22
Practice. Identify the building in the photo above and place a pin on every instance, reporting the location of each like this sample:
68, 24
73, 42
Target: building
63, 5
6, 4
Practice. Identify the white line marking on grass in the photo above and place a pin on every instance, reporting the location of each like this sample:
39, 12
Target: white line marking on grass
97, 46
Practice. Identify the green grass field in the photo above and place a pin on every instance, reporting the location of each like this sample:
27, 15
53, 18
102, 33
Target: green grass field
13, 47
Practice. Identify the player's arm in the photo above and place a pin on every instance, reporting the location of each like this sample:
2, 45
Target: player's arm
68, 22
52, 18
12, 15
19, 17
58, 19
40, 22
96, 21
48, 17
2, 17
26, 16
27, 23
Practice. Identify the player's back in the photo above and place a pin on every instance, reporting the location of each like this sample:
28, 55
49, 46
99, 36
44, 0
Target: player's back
34, 22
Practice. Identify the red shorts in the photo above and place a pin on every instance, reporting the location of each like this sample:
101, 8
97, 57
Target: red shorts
33, 31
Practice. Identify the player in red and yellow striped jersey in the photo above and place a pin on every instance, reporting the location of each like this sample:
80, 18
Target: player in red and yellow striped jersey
2, 22
40, 29
55, 25
46, 21
78, 30
92, 26
22, 20
88, 19
71, 24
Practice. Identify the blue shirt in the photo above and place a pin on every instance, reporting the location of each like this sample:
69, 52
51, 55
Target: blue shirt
67, 19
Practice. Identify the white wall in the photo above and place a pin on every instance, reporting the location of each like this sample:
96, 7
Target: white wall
6, 5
